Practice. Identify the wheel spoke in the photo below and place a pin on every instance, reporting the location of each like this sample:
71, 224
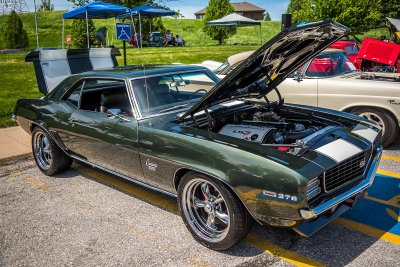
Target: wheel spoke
198, 203
222, 216
205, 189
211, 221
219, 199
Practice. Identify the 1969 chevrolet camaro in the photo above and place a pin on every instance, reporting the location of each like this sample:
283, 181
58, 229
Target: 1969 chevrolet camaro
228, 153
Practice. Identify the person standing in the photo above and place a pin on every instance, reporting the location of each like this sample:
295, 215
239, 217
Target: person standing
100, 36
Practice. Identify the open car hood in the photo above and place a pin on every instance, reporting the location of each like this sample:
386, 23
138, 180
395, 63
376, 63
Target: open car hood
267, 67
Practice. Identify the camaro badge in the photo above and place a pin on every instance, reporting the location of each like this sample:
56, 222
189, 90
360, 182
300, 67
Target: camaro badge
152, 166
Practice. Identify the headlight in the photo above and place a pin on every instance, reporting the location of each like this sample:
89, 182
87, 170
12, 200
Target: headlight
313, 188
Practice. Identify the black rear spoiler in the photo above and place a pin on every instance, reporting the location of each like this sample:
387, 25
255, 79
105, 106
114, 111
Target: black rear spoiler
53, 66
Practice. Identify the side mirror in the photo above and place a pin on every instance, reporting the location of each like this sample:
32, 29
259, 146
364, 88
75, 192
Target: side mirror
113, 113
297, 76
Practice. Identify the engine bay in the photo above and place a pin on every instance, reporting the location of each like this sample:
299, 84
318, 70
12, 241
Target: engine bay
268, 125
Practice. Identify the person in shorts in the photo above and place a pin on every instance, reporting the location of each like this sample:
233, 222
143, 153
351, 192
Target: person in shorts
100, 36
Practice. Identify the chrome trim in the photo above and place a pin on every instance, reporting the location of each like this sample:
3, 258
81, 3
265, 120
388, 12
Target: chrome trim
14, 117
350, 193
124, 177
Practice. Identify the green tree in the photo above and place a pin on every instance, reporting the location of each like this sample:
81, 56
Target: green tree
15, 36
267, 17
359, 15
78, 36
217, 9
46, 5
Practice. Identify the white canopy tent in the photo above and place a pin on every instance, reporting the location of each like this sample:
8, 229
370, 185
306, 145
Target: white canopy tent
234, 20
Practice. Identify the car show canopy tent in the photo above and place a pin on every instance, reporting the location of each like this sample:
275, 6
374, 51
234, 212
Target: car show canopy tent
149, 12
234, 20
94, 10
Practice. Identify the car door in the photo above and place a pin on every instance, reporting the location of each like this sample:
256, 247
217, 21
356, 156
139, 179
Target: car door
97, 136
303, 90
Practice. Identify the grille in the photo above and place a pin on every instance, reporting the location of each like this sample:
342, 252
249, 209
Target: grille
346, 171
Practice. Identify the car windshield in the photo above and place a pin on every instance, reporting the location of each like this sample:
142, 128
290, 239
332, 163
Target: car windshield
221, 68
351, 50
161, 94
330, 64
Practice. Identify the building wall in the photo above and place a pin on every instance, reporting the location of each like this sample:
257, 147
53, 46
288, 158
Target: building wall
256, 15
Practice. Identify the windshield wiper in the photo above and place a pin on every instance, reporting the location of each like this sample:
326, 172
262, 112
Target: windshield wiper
173, 108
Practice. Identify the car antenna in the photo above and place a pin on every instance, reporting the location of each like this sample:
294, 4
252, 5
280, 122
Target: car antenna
143, 65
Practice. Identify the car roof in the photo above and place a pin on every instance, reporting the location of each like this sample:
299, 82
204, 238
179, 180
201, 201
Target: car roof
135, 71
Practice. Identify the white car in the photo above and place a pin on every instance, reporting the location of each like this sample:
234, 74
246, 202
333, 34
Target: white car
330, 80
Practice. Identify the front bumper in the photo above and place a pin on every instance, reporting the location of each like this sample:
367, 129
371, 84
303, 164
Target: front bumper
337, 205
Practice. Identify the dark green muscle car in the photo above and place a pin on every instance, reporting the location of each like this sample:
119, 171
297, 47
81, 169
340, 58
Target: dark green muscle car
229, 154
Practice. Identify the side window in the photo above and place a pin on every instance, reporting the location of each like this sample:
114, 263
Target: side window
100, 95
74, 95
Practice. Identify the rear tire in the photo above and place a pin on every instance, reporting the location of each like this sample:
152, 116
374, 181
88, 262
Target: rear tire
49, 158
383, 119
212, 213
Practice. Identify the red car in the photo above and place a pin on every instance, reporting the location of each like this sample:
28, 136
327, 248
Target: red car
351, 50
376, 55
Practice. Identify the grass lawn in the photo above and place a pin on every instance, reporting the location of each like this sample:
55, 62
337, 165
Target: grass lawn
18, 80
50, 30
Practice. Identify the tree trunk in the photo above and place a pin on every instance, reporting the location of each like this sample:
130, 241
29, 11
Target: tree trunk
392, 31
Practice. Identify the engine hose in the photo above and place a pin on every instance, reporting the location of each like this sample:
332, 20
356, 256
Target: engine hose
300, 134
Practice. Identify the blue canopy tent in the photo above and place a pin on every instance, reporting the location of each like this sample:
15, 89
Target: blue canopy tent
149, 12
94, 10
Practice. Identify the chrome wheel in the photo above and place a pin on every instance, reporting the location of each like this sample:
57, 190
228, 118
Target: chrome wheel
42, 150
375, 118
205, 210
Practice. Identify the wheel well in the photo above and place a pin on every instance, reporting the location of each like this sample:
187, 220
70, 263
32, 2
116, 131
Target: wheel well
350, 109
32, 127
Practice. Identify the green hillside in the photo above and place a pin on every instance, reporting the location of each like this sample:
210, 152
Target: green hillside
50, 27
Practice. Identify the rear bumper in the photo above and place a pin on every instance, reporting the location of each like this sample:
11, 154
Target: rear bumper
319, 216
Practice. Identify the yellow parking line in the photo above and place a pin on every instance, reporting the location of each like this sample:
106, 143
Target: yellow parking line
252, 240
393, 174
280, 252
130, 189
391, 202
390, 157
369, 230
37, 183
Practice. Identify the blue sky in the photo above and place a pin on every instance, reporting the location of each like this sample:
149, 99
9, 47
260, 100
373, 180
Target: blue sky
189, 7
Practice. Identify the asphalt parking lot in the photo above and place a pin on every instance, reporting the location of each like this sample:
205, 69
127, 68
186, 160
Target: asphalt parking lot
84, 217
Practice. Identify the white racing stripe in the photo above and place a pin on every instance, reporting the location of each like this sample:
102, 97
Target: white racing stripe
365, 132
339, 150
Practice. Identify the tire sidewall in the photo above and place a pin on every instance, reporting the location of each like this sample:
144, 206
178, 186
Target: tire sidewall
231, 237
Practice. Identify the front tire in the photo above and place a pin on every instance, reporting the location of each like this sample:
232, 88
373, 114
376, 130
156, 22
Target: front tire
383, 119
49, 158
212, 213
